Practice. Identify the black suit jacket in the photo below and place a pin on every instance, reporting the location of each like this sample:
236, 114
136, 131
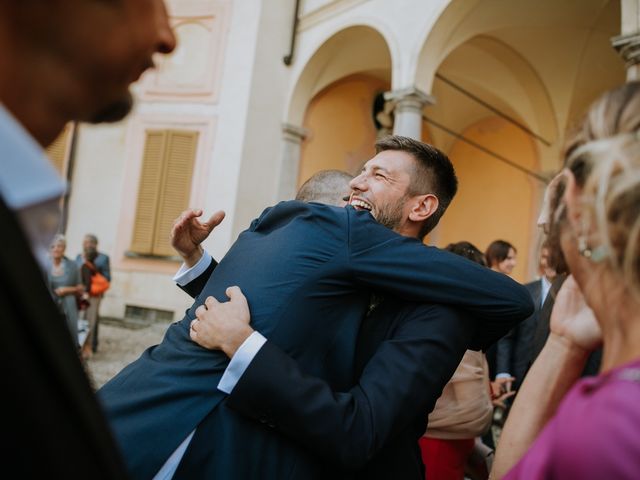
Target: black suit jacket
542, 330
51, 422
514, 350
406, 353
592, 367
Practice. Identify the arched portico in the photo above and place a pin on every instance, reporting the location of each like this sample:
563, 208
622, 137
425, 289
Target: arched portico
331, 106
530, 67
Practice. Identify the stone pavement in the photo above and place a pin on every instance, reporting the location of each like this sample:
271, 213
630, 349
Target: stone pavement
119, 346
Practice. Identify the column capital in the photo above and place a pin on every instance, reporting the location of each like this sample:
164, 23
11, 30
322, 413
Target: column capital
294, 133
407, 110
410, 95
628, 46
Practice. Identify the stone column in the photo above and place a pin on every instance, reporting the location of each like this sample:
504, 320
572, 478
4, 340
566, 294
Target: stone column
627, 44
409, 103
292, 137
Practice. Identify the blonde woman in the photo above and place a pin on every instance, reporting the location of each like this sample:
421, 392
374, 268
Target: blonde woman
562, 426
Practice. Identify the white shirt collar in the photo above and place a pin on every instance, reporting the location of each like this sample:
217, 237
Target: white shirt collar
29, 185
545, 287
27, 176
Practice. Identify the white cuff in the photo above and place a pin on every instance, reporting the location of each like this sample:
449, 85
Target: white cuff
503, 375
240, 361
186, 275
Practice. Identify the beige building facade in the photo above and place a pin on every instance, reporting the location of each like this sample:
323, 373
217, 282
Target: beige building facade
226, 123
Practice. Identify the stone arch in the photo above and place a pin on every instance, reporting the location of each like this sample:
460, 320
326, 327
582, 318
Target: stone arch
340, 126
354, 49
541, 62
358, 52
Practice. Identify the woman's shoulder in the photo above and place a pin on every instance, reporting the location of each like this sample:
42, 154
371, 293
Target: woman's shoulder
600, 419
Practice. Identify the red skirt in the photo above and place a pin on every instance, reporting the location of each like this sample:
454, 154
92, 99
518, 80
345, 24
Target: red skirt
445, 459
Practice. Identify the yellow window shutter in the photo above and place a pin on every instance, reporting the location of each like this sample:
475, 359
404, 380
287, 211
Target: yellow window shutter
59, 149
149, 192
175, 192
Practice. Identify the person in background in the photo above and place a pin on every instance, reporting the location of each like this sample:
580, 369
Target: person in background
514, 351
90, 302
464, 410
556, 261
101, 263
563, 426
501, 256
65, 284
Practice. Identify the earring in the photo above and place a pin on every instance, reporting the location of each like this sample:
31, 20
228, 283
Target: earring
583, 247
596, 254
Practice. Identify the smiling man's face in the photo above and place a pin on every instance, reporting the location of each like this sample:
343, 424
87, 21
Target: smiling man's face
383, 188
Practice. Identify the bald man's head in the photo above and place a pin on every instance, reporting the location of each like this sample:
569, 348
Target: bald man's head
326, 186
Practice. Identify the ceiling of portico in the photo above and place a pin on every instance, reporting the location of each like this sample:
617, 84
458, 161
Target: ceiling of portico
507, 83
541, 62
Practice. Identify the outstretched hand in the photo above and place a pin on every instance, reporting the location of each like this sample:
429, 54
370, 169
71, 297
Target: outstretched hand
500, 392
188, 233
222, 326
572, 318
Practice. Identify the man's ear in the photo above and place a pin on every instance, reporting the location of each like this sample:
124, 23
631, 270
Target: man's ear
424, 207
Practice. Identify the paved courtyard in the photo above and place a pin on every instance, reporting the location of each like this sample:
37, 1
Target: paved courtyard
118, 347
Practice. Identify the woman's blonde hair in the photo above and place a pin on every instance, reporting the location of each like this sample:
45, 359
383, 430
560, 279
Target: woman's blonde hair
604, 156
617, 111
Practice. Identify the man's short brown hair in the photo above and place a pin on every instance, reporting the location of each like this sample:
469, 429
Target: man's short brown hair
434, 174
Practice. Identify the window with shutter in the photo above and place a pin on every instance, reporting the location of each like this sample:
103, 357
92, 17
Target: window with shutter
58, 151
164, 189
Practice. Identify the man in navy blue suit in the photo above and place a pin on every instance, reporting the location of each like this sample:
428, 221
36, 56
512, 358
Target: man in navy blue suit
307, 271
405, 354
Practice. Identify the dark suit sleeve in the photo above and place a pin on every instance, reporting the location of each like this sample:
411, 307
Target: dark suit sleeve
513, 353
194, 287
412, 271
504, 351
405, 376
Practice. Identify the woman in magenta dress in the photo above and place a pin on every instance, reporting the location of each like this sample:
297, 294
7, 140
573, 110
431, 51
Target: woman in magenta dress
561, 426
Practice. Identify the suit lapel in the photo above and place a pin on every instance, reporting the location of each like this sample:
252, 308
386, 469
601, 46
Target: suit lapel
537, 294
